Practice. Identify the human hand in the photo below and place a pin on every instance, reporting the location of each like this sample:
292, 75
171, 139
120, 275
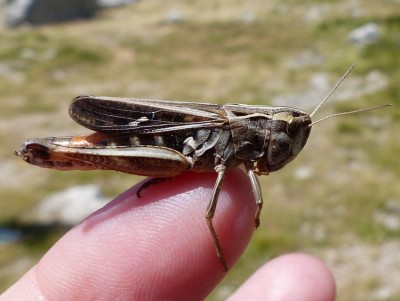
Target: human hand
158, 247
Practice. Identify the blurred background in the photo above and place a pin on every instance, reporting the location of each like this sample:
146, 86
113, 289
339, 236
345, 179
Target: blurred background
339, 200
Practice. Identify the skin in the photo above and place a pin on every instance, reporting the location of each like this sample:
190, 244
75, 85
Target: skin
158, 247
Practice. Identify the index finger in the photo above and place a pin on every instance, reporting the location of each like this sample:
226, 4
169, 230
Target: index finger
152, 248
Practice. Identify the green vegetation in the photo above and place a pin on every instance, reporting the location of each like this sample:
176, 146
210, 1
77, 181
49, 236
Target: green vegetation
214, 56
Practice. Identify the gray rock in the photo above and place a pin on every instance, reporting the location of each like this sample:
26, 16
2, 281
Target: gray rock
389, 217
248, 17
303, 172
173, 16
11, 74
39, 12
70, 206
365, 34
317, 12
114, 3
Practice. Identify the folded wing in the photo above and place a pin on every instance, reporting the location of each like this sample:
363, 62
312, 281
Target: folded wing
141, 116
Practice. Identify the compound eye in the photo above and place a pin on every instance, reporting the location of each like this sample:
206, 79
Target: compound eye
280, 149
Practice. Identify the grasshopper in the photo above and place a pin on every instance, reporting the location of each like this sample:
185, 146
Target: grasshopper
161, 139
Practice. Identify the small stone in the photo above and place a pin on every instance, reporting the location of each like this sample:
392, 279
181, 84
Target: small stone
114, 3
70, 206
173, 16
248, 17
303, 172
365, 34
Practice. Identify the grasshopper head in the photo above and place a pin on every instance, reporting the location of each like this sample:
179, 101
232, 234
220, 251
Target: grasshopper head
290, 129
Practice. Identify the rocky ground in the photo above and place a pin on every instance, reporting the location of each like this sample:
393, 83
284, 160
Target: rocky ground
339, 200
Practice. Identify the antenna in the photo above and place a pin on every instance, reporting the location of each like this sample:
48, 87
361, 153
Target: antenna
350, 112
333, 90
343, 113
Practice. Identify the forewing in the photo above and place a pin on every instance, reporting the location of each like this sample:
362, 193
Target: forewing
141, 116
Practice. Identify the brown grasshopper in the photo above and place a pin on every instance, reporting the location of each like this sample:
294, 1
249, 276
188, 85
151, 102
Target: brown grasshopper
161, 139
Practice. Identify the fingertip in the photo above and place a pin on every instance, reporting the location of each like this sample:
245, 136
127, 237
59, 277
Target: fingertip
289, 277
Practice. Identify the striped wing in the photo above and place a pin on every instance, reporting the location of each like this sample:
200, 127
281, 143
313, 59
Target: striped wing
142, 116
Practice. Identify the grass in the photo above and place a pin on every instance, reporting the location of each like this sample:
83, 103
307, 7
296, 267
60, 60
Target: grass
213, 56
